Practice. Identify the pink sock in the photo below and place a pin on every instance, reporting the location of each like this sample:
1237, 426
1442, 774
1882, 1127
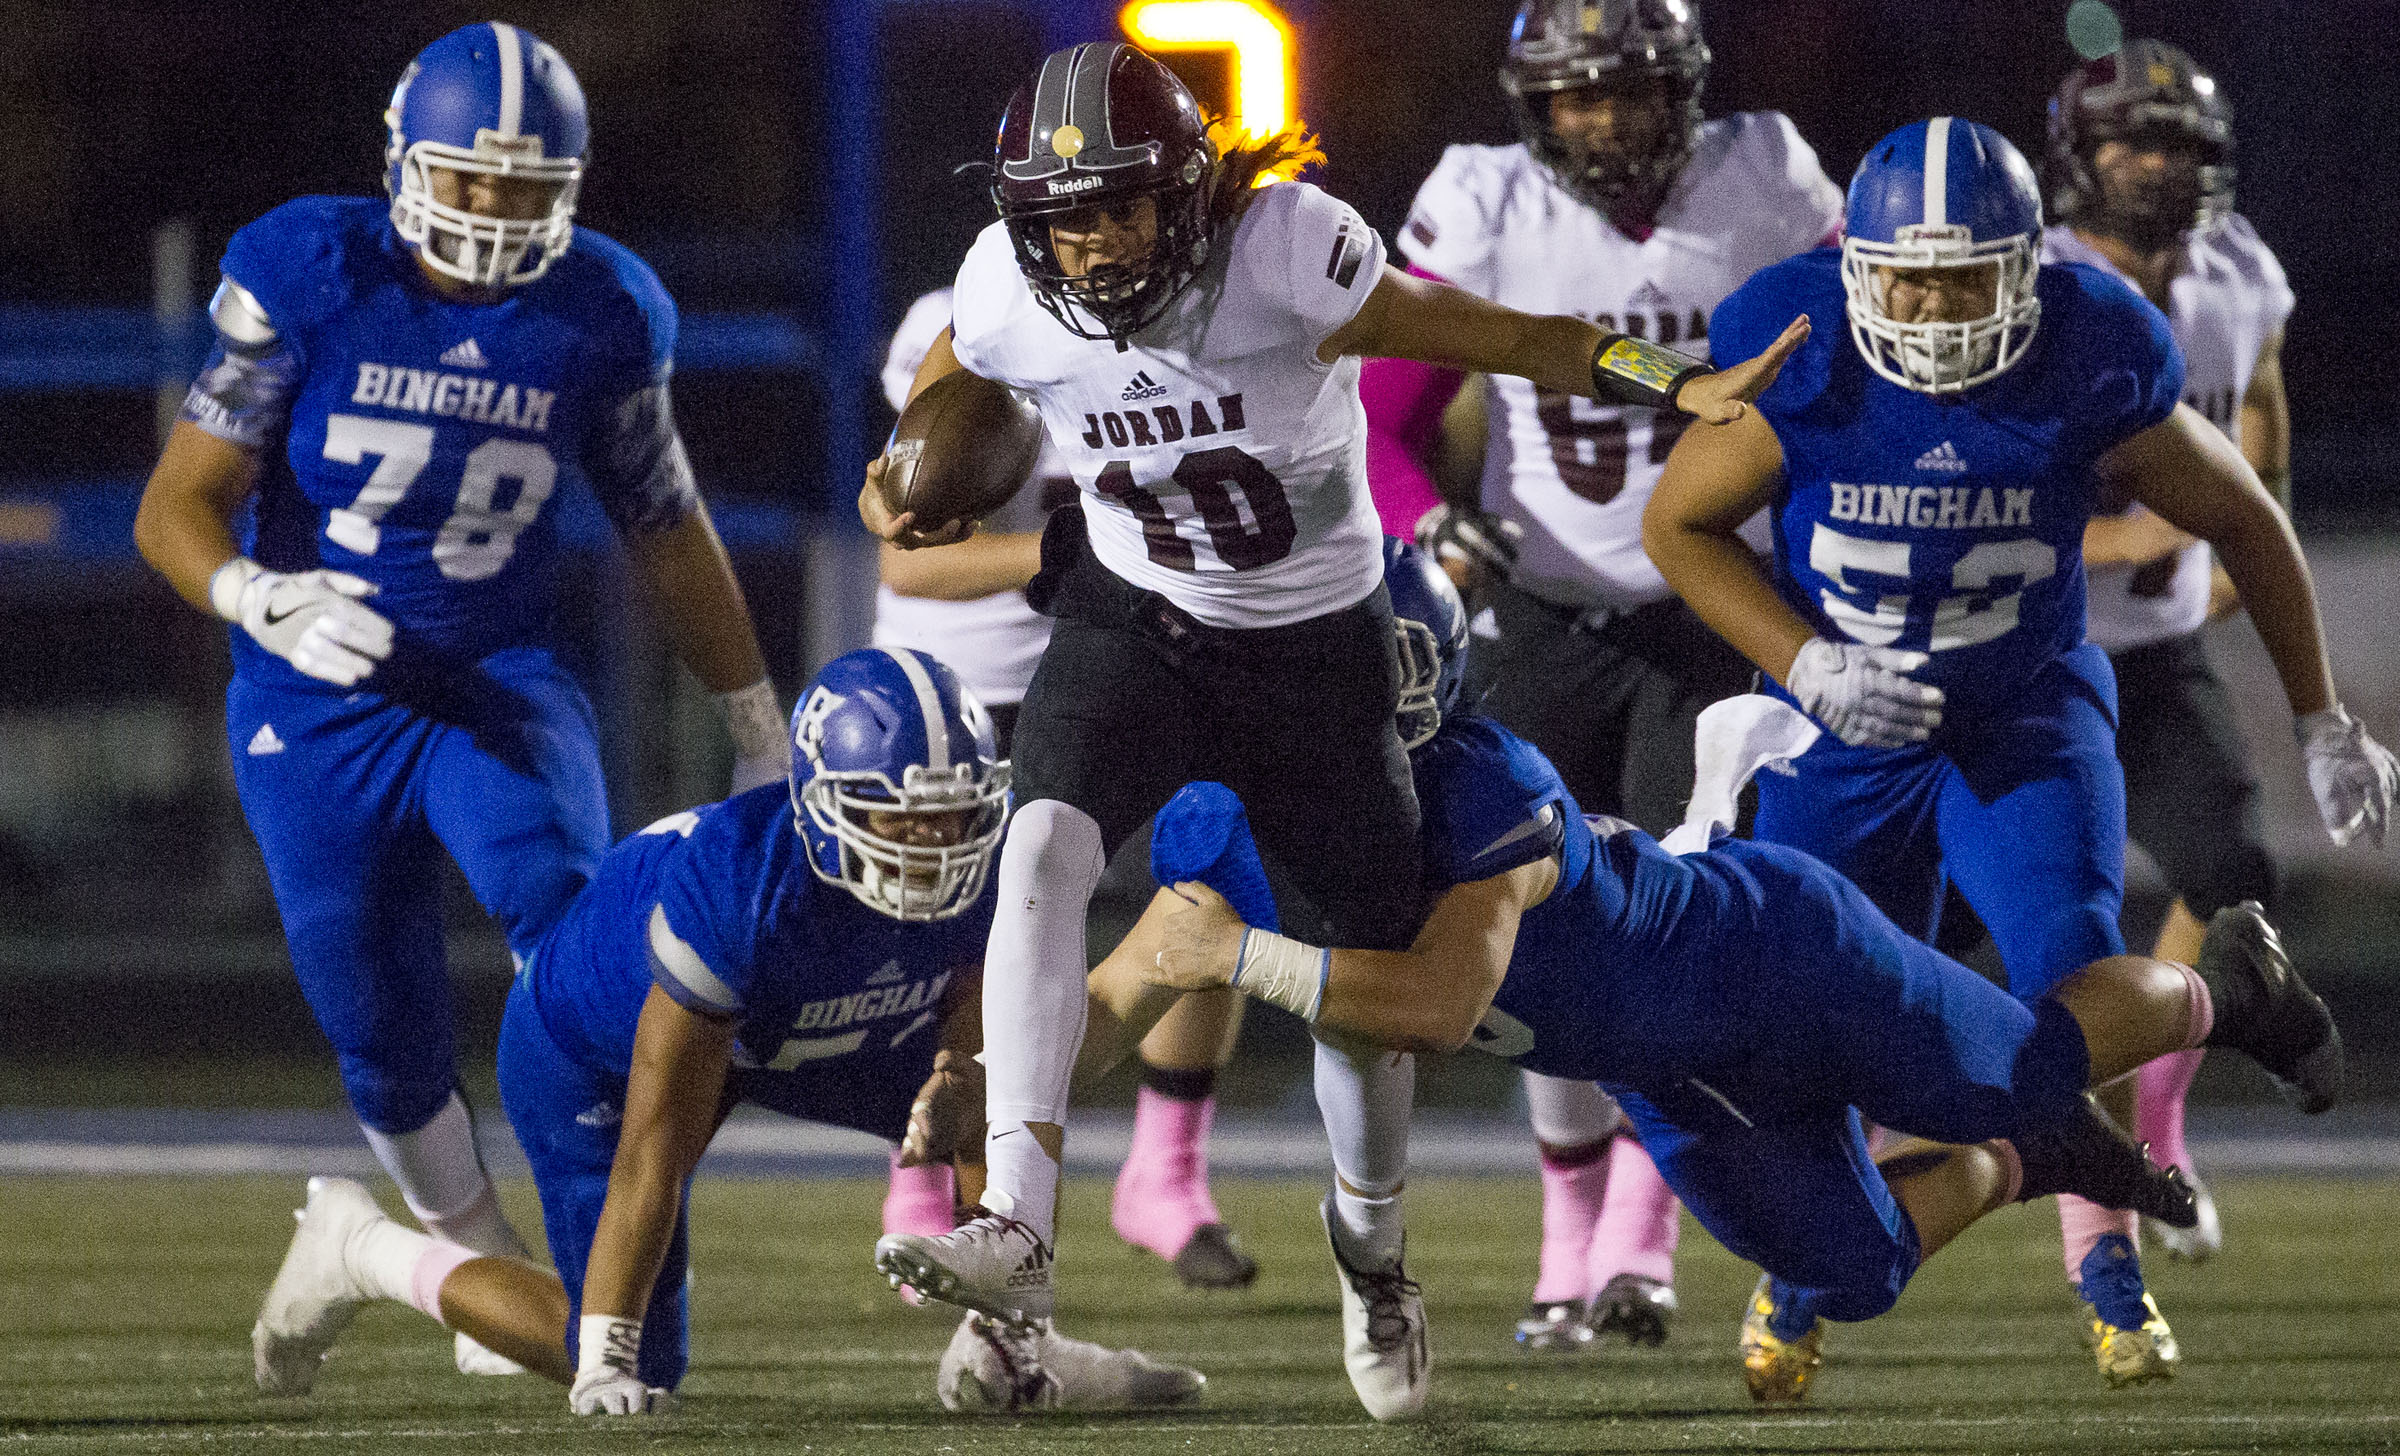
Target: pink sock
1639, 1221
2082, 1223
1162, 1191
920, 1200
2158, 1090
1574, 1183
439, 1261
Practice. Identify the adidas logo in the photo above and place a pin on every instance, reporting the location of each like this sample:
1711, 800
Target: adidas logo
1143, 387
1649, 297
1942, 457
468, 355
891, 972
264, 741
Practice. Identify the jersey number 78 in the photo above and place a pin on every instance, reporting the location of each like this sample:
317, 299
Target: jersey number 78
478, 539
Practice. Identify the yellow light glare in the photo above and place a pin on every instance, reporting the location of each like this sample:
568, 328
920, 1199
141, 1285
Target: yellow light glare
1257, 34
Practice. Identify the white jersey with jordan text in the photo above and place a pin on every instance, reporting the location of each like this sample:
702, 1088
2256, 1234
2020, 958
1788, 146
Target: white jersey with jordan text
1573, 473
2228, 298
1221, 464
993, 643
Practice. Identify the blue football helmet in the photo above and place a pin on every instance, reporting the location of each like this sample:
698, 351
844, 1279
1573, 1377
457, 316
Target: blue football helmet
1432, 625
893, 730
488, 100
1943, 193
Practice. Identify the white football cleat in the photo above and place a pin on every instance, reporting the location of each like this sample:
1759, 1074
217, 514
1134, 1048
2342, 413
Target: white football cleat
1000, 1365
991, 1263
314, 1293
476, 1359
1383, 1332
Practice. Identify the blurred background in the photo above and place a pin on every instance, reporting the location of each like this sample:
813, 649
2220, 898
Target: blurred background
788, 169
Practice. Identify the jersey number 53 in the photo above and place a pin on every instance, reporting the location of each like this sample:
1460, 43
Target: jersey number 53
478, 538
1968, 614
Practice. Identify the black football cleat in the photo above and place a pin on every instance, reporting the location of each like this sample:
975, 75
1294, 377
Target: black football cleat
2088, 1156
1212, 1258
1633, 1307
2266, 1012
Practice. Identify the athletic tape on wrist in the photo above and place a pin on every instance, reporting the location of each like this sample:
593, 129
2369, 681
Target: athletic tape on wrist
1627, 370
607, 1341
1283, 972
227, 583
753, 720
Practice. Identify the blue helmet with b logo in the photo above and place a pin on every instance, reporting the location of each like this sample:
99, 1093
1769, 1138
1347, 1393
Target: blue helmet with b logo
896, 785
491, 101
1945, 193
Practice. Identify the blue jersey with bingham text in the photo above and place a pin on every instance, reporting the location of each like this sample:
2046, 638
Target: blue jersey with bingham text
421, 442
1953, 524
838, 1006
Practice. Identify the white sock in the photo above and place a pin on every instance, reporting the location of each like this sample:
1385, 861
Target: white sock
1034, 998
383, 1256
441, 1178
1567, 1113
1020, 1180
1365, 1097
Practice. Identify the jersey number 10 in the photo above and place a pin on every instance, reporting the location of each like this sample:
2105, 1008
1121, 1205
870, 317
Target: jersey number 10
477, 540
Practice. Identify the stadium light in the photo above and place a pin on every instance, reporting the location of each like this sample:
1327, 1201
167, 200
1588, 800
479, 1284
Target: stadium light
1257, 34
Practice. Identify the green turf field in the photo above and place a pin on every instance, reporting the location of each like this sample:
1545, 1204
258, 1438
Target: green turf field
131, 1301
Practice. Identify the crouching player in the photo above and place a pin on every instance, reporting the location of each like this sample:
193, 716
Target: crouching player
810, 954
1746, 1005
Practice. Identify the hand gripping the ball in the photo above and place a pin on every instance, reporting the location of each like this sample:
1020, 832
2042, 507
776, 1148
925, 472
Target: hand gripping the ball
900, 527
2352, 776
1864, 695
312, 619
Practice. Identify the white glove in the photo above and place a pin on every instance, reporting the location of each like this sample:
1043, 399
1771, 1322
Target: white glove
608, 1349
1863, 695
762, 749
1483, 544
2351, 774
311, 619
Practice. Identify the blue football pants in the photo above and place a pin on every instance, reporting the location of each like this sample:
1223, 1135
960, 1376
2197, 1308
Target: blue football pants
352, 795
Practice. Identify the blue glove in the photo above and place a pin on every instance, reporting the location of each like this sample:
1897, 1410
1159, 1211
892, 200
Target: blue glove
1203, 834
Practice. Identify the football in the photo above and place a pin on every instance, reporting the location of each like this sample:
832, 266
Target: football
963, 448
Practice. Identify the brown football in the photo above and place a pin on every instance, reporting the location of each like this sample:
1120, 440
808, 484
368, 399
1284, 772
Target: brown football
963, 448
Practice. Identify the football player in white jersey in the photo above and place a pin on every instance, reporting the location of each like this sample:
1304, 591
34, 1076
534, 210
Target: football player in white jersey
965, 604
2139, 168
1190, 339
1622, 206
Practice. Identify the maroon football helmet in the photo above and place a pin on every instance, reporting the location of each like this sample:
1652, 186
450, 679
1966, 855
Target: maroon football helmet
1565, 45
1100, 125
2150, 94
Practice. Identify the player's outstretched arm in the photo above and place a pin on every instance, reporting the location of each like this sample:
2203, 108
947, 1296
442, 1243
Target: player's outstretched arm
690, 583
1429, 997
671, 1110
1411, 317
2187, 471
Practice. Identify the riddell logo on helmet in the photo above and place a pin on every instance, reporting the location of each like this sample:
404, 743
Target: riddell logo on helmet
1080, 184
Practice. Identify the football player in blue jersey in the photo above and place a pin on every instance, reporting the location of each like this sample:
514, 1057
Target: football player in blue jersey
401, 386
1931, 476
815, 951
1745, 1005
